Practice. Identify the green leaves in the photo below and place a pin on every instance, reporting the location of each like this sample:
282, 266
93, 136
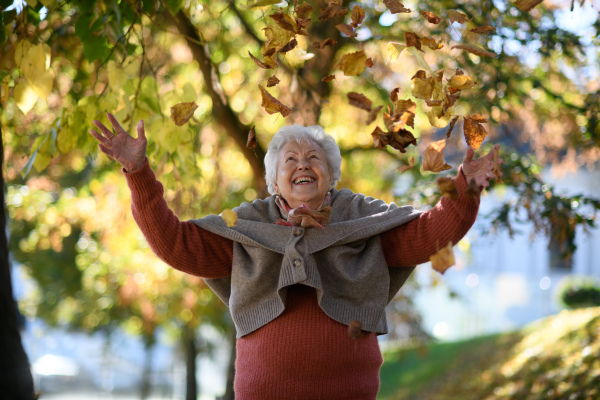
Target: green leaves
91, 32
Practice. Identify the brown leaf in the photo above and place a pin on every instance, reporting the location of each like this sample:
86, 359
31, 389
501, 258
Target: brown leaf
332, 10
272, 105
478, 118
474, 132
422, 88
353, 64
354, 330
497, 171
328, 78
373, 114
431, 43
526, 5
457, 16
404, 168
478, 51
443, 259
395, 6
401, 106
230, 217
394, 94
420, 74
433, 103
304, 11
472, 189
483, 29
401, 140
369, 62
452, 123
380, 138
284, 21
358, 15
459, 71
326, 42
461, 82
182, 112
412, 40
359, 100
289, 46
431, 17
251, 143
272, 81
447, 187
433, 157
259, 63
346, 30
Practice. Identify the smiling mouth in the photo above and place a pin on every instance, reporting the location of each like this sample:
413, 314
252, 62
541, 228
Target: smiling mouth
303, 180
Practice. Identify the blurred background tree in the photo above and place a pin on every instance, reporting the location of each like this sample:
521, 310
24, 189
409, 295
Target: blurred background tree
64, 64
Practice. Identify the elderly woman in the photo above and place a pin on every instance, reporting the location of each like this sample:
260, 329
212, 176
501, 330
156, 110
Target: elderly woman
301, 265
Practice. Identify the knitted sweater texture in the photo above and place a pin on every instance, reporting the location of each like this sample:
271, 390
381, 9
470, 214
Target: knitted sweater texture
302, 353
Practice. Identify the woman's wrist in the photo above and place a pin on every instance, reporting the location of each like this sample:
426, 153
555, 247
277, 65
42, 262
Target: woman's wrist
135, 168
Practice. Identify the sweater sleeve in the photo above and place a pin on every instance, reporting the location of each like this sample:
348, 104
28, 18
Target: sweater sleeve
183, 245
449, 221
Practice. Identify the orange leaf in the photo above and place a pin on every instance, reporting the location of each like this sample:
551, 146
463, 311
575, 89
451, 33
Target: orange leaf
474, 132
395, 6
251, 143
359, 100
182, 112
328, 78
272, 105
483, 29
431, 43
431, 17
478, 51
326, 42
358, 15
447, 187
433, 157
369, 63
443, 259
353, 64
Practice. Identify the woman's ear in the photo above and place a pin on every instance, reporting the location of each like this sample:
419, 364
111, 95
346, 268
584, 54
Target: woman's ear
276, 188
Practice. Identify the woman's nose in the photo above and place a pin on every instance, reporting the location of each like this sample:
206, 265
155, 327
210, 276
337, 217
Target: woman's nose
303, 164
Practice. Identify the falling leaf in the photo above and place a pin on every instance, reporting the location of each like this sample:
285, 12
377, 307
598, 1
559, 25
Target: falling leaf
353, 64
396, 122
346, 30
431, 17
373, 114
401, 140
272, 105
354, 330
496, 170
289, 46
412, 40
478, 118
285, 21
182, 112
419, 58
457, 16
394, 50
483, 29
251, 143
404, 168
472, 189
260, 63
422, 86
358, 15
527, 5
395, 6
380, 138
359, 100
326, 42
447, 187
230, 217
452, 123
431, 43
478, 51
24, 96
394, 94
42, 84
474, 132
461, 82
304, 10
433, 103
408, 105
369, 63
328, 78
272, 81
443, 259
332, 10
433, 157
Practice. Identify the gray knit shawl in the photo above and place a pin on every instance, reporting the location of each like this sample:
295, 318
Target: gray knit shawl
344, 262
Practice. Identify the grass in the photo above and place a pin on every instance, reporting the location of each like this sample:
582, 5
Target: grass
554, 358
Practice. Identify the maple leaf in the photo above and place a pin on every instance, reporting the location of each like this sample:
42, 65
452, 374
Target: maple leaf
328, 78
474, 131
359, 100
326, 42
447, 187
433, 157
380, 138
461, 82
483, 29
478, 51
412, 40
332, 10
260, 63
358, 15
289, 46
472, 189
452, 123
373, 114
284, 21
251, 143
182, 112
395, 6
353, 64
431, 43
457, 16
230, 217
404, 168
304, 10
401, 140
431, 17
443, 259
272, 105
527, 5
272, 81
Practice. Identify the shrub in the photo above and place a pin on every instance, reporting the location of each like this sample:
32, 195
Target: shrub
579, 292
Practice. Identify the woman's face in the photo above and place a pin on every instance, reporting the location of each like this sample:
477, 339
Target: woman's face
302, 174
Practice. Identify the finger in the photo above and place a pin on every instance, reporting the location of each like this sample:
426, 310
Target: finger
105, 131
106, 150
469, 154
100, 138
140, 130
115, 123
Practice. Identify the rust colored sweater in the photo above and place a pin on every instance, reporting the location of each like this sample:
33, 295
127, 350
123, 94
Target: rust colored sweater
323, 362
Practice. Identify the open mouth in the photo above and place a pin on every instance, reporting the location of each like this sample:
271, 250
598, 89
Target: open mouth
304, 180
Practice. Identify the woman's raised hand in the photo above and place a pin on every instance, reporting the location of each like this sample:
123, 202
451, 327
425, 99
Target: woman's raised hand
129, 152
480, 169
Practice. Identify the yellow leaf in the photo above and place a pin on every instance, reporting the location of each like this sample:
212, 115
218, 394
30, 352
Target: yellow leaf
230, 217
272, 105
422, 88
443, 259
117, 77
25, 96
433, 157
48, 54
474, 132
34, 62
42, 84
21, 51
31, 3
182, 112
461, 82
394, 50
66, 139
353, 64
478, 51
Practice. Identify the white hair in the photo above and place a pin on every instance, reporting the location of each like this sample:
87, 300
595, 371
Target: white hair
301, 133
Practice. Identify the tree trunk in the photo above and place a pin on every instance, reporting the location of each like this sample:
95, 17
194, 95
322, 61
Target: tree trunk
146, 384
191, 351
229, 393
16, 381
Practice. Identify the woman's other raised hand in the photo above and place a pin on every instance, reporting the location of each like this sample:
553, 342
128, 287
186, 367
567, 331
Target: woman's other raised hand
480, 169
127, 151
